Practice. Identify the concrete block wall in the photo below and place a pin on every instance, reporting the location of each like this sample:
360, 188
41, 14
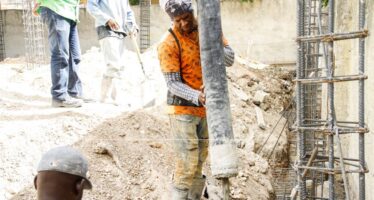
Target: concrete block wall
347, 93
262, 31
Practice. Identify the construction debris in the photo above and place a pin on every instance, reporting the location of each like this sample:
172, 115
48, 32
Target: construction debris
251, 63
260, 97
240, 94
260, 118
135, 144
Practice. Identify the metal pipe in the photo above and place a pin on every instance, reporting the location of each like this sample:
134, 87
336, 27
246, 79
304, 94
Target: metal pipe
361, 109
224, 161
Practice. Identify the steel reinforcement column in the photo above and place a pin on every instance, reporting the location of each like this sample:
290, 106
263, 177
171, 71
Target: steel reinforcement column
222, 149
2, 42
330, 95
145, 24
300, 97
361, 100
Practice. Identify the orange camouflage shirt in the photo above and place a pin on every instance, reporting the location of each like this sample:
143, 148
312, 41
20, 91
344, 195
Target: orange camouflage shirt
190, 68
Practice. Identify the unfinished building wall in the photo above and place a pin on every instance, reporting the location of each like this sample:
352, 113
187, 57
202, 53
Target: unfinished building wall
263, 30
14, 33
347, 94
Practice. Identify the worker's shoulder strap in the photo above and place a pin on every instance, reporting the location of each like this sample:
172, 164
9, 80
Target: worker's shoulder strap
179, 45
171, 98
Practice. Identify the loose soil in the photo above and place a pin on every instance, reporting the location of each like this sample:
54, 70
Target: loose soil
129, 148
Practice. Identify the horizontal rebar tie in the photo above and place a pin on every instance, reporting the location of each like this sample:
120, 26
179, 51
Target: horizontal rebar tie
334, 36
332, 171
333, 79
342, 130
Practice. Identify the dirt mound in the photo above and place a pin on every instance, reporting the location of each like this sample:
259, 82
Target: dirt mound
130, 154
129, 157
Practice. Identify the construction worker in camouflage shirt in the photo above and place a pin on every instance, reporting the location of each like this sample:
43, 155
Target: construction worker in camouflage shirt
179, 55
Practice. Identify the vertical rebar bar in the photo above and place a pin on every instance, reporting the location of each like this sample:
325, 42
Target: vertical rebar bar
145, 24
2, 42
330, 95
361, 109
322, 32
34, 36
299, 95
342, 165
325, 59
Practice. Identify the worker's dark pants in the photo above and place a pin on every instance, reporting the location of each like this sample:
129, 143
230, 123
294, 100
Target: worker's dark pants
191, 141
65, 55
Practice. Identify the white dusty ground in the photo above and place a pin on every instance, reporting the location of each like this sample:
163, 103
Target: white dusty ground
140, 140
30, 126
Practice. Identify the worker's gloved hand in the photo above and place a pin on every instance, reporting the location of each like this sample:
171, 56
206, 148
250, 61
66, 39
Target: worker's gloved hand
133, 29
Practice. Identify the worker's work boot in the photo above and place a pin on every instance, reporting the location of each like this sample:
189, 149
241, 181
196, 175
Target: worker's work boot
178, 194
68, 103
106, 84
196, 189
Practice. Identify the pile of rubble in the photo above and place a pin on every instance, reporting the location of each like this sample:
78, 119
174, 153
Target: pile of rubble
131, 155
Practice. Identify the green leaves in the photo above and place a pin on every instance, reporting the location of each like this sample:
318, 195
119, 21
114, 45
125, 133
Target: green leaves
325, 3
134, 2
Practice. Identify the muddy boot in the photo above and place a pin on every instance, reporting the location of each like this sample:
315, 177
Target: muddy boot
106, 84
196, 190
178, 194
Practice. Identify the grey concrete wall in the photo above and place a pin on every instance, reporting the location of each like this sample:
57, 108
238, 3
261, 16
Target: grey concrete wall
13, 33
263, 30
347, 93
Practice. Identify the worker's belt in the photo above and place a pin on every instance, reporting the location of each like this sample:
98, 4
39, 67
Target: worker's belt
174, 100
